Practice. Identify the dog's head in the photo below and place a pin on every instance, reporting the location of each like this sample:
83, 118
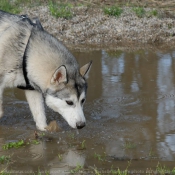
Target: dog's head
67, 94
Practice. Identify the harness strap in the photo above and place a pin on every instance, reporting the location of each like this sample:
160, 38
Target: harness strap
24, 63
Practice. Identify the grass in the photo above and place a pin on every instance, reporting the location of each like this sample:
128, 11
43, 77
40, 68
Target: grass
71, 136
161, 170
83, 146
121, 172
41, 172
96, 171
112, 171
8, 6
100, 157
15, 6
113, 11
4, 173
19, 144
153, 12
60, 157
129, 145
139, 11
4, 159
35, 142
151, 154
76, 169
61, 10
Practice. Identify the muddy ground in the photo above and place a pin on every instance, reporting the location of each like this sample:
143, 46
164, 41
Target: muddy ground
90, 26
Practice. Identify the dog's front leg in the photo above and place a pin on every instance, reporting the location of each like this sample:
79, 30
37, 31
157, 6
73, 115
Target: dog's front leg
36, 104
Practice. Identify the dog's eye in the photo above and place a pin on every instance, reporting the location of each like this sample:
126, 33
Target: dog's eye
69, 103
82, 101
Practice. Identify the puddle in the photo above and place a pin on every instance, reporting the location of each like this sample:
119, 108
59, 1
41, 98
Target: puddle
130, 112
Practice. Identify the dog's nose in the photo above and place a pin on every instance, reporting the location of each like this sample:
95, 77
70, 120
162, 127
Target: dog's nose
80, 125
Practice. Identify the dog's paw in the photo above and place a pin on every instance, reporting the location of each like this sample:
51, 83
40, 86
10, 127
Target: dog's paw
41, 127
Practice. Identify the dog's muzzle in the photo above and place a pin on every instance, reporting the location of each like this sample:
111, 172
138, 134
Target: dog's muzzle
80, 125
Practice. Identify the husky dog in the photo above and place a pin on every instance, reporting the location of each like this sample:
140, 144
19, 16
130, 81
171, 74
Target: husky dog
34, 60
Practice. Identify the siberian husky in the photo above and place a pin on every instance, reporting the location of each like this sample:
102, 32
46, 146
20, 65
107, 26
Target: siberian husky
35, 61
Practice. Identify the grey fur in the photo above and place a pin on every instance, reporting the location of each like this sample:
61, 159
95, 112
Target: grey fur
44, 53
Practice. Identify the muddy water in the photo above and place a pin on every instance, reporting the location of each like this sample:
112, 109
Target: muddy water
130, 113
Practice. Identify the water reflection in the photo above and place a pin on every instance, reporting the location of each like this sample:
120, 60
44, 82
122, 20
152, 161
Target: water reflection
148, 79
137, 87
70, 159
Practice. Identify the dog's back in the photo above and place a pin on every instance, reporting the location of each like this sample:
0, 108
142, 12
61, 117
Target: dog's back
14, 34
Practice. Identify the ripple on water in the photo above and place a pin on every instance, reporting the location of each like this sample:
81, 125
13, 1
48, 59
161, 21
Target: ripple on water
29, 156
35, 152
133, 118
165, 96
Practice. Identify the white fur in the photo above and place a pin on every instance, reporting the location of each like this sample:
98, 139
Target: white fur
36, 104
72, 114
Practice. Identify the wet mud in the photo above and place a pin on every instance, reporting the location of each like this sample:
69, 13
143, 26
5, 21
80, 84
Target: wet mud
130, 120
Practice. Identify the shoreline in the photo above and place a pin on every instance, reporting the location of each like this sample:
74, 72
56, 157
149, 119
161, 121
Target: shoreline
91, 27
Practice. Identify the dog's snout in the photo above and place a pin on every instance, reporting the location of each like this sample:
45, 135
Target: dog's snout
80, 125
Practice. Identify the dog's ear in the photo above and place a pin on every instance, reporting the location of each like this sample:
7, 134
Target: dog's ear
84, 70
60, 75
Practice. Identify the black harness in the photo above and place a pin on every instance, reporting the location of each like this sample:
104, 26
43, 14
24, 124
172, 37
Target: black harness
38, 25
24, 68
